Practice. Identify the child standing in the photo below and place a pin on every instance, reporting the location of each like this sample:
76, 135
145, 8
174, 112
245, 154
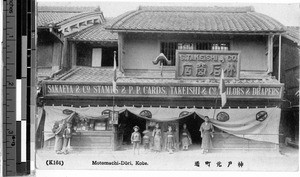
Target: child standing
146, 139
67, 134
185, 138
170, 140
136, 139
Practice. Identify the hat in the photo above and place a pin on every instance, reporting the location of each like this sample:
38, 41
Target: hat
136, 127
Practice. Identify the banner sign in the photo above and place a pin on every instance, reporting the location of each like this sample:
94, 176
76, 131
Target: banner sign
114, 116
162, 90
207, 64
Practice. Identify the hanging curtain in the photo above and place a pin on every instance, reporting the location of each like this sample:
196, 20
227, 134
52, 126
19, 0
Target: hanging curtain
242, 122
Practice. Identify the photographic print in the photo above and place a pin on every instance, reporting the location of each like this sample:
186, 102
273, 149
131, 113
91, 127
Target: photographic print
167, 86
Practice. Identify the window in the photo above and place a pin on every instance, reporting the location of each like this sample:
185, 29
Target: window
169, 48
95, 56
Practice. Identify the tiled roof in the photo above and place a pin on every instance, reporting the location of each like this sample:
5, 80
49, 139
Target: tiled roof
44, 72
105, 75
293, 33
95, 33
195, 19
87, 74
75, 9
52, 15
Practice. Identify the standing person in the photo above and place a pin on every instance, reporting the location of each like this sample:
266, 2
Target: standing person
186, 139
170, 140
146, 139
206, 130
67, 134
136, 139
157, 143
58, 131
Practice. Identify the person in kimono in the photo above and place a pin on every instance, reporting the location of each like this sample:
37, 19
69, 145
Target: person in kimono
67, 134
185, 138
146, 139
170, 140
58, 131
136, 139
157, 141
206, 130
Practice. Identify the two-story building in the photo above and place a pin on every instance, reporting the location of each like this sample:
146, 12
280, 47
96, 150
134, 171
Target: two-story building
64, 32
170, 61
54, 25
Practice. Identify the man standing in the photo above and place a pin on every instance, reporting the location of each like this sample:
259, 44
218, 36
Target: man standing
58, 131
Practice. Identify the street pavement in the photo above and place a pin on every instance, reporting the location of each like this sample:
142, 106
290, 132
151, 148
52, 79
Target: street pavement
285, 160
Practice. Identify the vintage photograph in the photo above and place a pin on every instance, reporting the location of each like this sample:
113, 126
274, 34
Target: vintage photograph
167, 86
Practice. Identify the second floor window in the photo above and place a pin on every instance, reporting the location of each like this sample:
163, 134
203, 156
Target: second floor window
169, 48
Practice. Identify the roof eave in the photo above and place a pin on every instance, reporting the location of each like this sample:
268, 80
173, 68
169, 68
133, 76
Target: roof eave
97, 41
80, 16
295, 40
277, 32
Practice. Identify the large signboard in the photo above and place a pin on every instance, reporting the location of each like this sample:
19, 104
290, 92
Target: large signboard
196, 64
232, 91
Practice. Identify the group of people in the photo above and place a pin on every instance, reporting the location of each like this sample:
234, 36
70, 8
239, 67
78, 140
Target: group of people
151, 139
206, 131
63, 134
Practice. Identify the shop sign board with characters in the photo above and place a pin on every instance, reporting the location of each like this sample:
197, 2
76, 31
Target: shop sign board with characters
200, 64
233, 90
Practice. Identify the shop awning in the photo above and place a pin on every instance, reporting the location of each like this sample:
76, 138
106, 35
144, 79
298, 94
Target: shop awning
260, 124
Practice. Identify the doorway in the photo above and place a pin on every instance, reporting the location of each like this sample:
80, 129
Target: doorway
193, 123
127, 121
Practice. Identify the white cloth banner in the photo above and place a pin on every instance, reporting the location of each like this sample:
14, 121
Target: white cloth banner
241, 123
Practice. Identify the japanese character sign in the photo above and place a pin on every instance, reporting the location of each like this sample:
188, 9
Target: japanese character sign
187, 70
197, 64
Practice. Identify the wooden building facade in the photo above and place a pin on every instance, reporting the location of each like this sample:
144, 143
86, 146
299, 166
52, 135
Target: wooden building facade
200, 43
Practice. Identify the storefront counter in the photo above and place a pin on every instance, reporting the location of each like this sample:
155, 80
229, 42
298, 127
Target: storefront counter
93, 140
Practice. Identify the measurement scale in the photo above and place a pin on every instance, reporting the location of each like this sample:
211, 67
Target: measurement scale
18, 56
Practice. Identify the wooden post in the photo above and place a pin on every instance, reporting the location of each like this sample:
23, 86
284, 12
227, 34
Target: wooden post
279, 58
120, 51
177, 135
270, 53
73, 55
56, 59
65, 54
114, 138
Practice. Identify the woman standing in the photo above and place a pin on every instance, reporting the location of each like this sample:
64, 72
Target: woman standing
170, 140
157, 138
206, 130
185, 138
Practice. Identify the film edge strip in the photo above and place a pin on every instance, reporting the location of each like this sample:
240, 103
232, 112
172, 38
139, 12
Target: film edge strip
19, 64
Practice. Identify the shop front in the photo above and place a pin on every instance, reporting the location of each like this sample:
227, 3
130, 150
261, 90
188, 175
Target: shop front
103, 119
169, 72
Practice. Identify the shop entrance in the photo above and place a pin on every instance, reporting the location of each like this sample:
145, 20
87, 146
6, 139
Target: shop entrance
127, 121
193, 123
